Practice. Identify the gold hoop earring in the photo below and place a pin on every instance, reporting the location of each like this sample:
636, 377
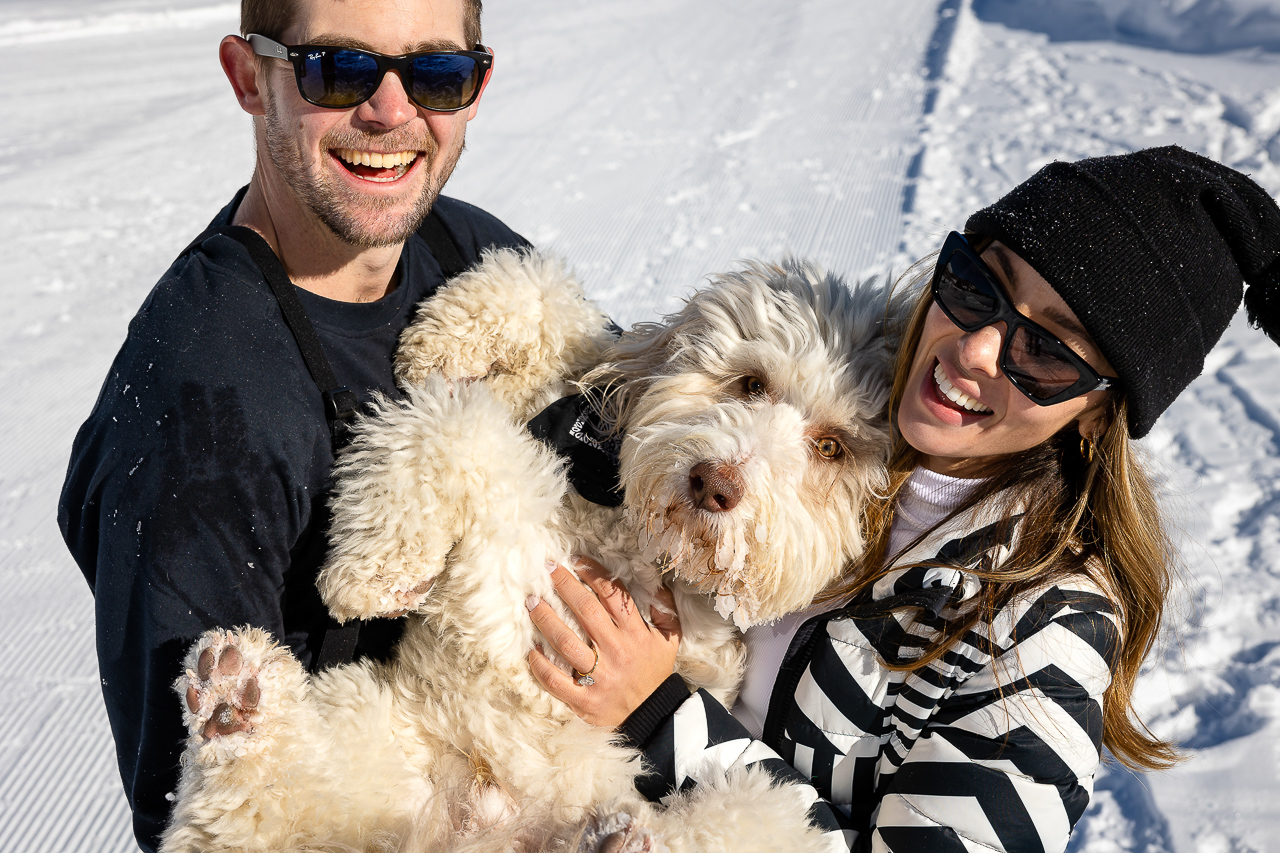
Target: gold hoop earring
1086, 450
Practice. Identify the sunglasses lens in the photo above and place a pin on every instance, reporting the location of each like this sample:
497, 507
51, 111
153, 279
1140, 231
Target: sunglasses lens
444, 81
337, 78
1036, 362
965, 292
1039, 365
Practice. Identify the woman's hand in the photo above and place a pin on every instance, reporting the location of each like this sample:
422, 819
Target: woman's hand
634, 656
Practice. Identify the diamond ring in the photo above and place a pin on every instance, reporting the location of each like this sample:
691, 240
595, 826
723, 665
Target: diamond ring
584, 679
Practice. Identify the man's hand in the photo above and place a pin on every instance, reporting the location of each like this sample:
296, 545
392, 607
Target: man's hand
634, 657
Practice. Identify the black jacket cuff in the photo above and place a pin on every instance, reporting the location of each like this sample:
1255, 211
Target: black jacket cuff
637, 729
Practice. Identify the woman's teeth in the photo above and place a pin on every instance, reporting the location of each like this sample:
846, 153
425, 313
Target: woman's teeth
956, 396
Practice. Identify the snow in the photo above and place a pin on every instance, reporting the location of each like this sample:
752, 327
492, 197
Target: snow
1195, 26
651, 144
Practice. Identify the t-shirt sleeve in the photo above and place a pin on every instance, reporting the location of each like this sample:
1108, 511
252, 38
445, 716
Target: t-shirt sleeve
182, 504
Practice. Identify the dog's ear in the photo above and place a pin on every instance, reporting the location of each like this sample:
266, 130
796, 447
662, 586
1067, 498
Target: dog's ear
631, 365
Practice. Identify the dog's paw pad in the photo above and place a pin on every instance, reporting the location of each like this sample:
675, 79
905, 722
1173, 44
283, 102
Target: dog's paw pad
406, 601
204, 665
227, 719
222, 693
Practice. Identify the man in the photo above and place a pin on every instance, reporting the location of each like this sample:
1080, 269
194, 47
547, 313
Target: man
196, 489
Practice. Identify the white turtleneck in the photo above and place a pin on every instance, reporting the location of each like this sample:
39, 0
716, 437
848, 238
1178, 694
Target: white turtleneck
924, 500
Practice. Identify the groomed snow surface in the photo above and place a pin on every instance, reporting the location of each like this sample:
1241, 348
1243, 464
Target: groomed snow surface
653, 143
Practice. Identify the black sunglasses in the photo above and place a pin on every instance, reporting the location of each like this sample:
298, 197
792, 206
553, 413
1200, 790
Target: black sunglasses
1039, 365
443, 81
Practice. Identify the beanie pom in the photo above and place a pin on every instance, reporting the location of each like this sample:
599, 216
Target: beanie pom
1262, 301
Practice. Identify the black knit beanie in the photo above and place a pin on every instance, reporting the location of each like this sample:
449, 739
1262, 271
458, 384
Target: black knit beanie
1150, 250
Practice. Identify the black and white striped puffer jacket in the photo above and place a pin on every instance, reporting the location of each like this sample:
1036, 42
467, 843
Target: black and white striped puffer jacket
993, 747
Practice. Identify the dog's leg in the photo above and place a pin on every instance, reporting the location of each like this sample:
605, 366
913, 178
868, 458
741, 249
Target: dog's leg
250, 728
711, 656
276, 762
422, 482
518, 321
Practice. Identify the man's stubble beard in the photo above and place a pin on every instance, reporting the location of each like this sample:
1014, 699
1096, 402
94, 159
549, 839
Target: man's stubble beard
340, 212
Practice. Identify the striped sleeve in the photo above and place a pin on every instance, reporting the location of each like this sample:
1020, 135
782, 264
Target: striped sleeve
1007, 763
701, 742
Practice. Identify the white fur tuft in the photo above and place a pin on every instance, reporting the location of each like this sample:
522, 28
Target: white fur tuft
519, 320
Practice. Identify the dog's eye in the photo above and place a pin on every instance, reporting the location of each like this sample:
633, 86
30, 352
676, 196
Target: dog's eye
752, 385
828, 448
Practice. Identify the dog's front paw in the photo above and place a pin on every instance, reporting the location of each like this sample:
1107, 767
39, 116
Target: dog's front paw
400, 500
619, 833
518, 320
425, 485
222, 693
356, 591
225, 688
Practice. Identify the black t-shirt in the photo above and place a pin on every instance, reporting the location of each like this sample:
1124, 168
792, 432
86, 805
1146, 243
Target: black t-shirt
195, 496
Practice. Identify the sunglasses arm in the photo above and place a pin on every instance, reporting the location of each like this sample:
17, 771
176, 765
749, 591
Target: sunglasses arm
264, 46
484, 81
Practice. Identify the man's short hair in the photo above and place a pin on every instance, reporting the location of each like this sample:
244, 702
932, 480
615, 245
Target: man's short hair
271, 18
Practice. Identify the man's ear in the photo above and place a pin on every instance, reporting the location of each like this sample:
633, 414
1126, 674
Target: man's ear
238, 63
484, 84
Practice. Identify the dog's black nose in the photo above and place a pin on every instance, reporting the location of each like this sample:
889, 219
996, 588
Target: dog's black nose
715, 487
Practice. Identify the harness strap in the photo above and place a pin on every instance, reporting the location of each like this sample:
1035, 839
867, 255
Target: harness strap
338, 646
340, 402
575, 431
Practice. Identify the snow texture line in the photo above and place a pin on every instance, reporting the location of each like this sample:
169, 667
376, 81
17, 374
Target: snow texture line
935, 63
30, 31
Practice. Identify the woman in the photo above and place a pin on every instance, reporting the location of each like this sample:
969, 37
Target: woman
961, 682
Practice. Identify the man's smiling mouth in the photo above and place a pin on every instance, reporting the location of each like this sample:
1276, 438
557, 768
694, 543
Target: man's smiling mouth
375, 166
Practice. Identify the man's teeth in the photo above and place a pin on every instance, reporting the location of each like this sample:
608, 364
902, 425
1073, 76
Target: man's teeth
954, 395
376, 159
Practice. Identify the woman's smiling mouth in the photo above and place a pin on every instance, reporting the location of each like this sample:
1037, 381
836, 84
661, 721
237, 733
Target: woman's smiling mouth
948, 393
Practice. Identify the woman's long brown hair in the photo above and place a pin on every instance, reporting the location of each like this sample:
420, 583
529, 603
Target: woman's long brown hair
1095, 518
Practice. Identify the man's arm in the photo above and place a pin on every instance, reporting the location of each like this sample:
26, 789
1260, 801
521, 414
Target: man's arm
188, 492
188, 535
195, 495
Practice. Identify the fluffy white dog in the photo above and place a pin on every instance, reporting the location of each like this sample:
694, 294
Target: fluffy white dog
750, 431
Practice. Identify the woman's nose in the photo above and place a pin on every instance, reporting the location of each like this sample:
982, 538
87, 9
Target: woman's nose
979, 350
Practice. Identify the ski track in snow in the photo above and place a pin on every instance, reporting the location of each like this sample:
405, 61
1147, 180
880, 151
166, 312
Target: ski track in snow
857, 134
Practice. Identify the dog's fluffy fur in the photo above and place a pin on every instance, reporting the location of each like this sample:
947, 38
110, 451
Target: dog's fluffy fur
772, 382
